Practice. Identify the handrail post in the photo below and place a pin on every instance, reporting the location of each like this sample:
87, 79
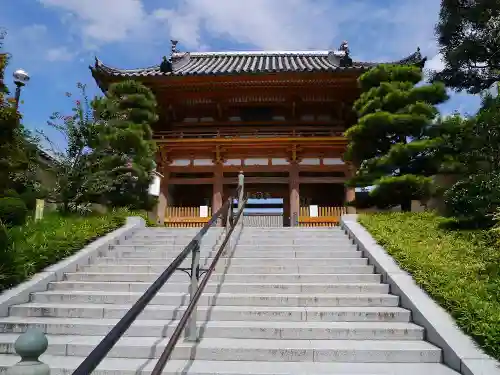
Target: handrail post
191, 329
29, 346
229, 222
241, 185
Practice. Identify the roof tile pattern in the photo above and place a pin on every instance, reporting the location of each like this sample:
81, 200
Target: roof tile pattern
230, 63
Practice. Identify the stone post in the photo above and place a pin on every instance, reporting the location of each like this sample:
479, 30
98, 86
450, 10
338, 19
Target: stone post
162, 204
350, 193
218, 187
294, 195
30, 346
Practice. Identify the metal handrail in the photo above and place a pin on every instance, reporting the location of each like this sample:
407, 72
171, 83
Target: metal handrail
167, 352
104, 347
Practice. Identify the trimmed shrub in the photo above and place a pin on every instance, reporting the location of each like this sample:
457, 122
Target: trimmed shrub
29, 198
10, 193
459, 269
37, 245
5, 256
13, 211
474, 199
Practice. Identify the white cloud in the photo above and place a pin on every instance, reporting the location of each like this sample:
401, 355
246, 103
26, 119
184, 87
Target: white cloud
392, 31
59, 54
102, 20
435, 64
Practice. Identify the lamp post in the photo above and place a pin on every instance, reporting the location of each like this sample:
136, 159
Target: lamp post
20, 79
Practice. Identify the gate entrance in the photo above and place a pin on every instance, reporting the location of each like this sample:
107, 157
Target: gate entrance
266, 205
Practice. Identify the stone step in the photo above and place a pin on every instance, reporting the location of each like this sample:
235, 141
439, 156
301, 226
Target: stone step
128, 252
213, 287
222, 329
287, 230
167, 235
166, 244
172, 239
287, 242
271, 270
249, 262
228, 313
129, 246
358, 351
221, 299
185, 240
236, 278
64, 365
302, 247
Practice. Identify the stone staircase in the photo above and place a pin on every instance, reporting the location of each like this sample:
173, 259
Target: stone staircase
286, 301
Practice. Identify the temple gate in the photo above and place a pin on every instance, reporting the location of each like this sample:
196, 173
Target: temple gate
278, 116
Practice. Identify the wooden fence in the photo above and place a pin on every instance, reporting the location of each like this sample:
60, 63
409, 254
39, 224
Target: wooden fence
189, 217
185, 217
327, 217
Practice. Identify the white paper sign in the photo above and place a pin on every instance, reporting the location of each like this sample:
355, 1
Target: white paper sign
203, 211
313, 211
154, 188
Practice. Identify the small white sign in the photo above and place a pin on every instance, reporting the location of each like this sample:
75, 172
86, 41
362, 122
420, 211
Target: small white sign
203, 211
154, 188
313, 211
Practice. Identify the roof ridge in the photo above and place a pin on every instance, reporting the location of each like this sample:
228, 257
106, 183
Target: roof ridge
256, 53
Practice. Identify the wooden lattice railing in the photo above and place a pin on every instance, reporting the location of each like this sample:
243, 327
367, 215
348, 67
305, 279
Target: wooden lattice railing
327, 217
185, 217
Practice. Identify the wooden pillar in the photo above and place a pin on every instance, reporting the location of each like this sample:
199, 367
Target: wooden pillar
218, 187
350, 193
162, 204
294, 195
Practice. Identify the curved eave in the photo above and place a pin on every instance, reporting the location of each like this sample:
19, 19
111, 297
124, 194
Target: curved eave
234, 64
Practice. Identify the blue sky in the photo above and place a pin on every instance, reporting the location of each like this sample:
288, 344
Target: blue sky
56, 40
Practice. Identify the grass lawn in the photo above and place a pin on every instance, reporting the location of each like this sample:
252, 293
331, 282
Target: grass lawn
459, 269
37, 245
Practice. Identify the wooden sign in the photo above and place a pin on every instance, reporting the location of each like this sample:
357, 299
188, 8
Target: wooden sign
40, 205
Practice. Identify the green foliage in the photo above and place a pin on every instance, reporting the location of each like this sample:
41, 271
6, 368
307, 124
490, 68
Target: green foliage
5, 254
13, 211
469, 37
18, 148
125, 147
37, 245
110, 154
474, 198
495, 230
480, 149
393, 144
74, 183
473, 150
458, 269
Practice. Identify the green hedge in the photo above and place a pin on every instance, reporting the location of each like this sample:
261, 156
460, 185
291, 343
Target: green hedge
37, 245
459, 269
13, 211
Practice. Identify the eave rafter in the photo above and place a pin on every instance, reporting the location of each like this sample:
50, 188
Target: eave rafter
291, 149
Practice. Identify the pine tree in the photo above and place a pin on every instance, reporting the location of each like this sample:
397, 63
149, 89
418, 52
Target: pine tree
18, 148
9, 118
476, 195
124, 150
469, 35
392, 144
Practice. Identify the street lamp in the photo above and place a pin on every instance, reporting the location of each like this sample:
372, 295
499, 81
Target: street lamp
20, 79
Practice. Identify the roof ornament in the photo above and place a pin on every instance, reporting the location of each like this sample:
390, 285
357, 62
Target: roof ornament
344, 47
167, 64
174, 47
345, 59
418, 54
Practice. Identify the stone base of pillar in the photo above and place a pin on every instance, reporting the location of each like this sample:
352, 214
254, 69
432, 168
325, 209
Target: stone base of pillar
160, 209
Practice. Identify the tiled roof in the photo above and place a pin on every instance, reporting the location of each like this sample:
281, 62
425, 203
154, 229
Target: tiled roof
230, 63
